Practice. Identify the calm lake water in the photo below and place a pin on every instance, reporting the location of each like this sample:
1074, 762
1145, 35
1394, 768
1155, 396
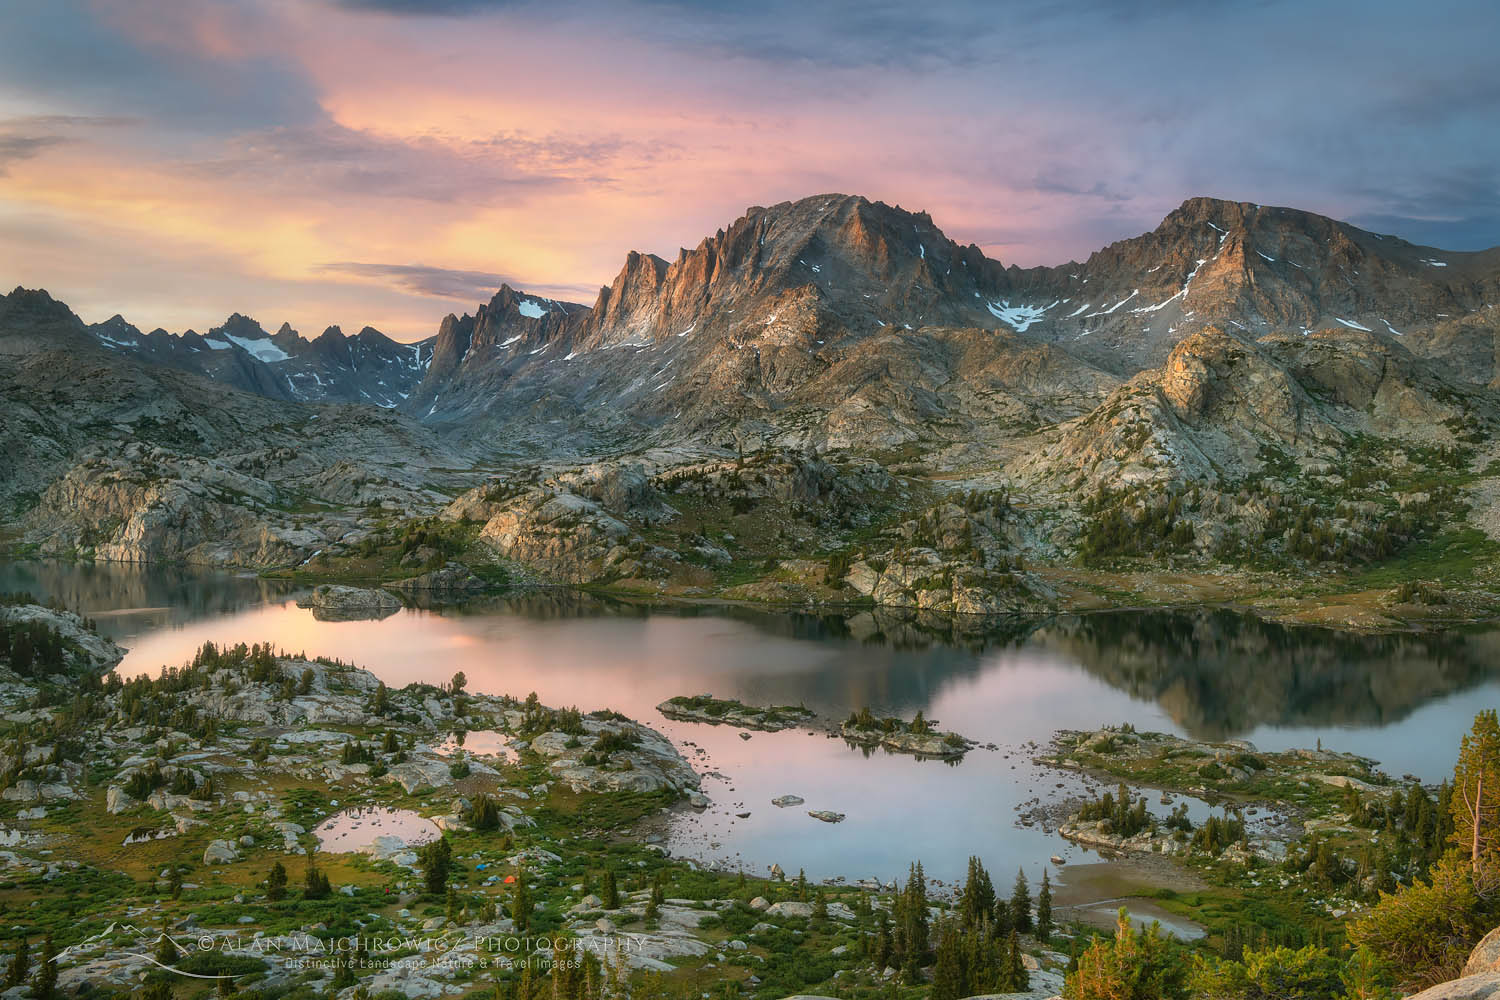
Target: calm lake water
1404, 700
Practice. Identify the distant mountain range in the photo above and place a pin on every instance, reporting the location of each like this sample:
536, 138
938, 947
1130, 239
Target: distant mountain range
1242, 385
802, 285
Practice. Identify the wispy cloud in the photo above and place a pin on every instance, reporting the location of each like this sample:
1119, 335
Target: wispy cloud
453, 284
23, 147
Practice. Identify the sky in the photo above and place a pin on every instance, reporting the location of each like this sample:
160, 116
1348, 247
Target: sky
385, 162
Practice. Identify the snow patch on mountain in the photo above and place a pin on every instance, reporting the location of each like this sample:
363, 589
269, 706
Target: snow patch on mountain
1018, 317
260, 350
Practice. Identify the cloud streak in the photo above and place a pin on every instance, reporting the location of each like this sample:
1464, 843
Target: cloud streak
448, 283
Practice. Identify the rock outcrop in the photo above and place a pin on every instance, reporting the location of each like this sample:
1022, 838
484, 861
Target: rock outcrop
331, 602
1481, 975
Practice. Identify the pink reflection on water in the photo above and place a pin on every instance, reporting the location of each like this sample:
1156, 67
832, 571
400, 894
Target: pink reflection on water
898, 808
354, 830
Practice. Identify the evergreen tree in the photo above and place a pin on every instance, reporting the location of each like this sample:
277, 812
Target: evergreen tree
1044, 909
981, 959
1004, 921
912, 928
1013, 975
1020, 904
20, 964
658, 889
520, 901
276, 882
883, 950
382, 702
978, 899
949, 980
343, 972
484, 814
44, 983
567, 969
609, 892
437, 862
315, 883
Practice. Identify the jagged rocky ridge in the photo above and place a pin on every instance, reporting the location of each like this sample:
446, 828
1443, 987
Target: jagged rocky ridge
137, 462
1243, 381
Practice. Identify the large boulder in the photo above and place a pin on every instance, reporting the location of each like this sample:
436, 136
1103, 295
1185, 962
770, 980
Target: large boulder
220, 852
332, 602
1486, 955
1485, 986
1481, 975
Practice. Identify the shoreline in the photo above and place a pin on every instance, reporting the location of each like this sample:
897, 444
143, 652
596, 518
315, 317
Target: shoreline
1355, 611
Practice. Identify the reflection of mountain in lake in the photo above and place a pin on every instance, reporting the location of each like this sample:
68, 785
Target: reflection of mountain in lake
1220, 673
898, 628
158, 594
890, 659
1216, 673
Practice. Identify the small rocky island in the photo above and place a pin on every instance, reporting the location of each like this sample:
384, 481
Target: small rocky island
337, 603
920, 736
728, 712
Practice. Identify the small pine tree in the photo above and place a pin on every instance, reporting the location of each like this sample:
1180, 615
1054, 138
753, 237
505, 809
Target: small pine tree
20, 964
166, 949
437, 862
978, 897
314, 883
343, 974
882, 955
276, 882
948, 979
520, 901
1020, 904
1013, 975
44, 983
1044, 909
1003, 922
658, 889
484, 815
609, 892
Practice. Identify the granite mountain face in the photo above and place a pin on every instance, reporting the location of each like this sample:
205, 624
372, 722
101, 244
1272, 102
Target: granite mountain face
1241, 379
756, 317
